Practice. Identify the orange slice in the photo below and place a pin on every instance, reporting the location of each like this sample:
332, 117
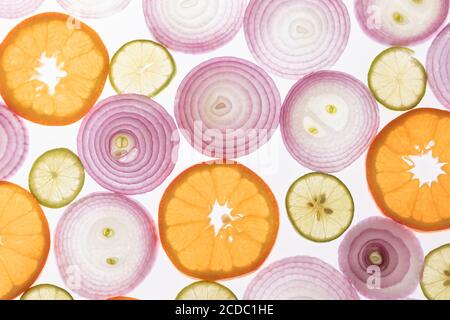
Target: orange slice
408, 169
24, 240
218, 221
52, 69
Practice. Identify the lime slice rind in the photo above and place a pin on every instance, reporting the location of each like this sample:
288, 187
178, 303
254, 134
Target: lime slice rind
204, 290
56, 178
397, 79
435, 282
46, 292
142, 67
320, 207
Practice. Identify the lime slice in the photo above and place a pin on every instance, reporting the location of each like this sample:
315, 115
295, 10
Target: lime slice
204, 290
435, 282
320, 207
46, 292
142, 67
397, 79
56, 178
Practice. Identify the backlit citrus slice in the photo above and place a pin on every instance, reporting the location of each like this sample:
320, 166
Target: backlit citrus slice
122, 298
218, 221
24, 240
436, 274
397, 79
320, 207
408, 169
46, 292
142, 67
52, 69
205, 290
56, 178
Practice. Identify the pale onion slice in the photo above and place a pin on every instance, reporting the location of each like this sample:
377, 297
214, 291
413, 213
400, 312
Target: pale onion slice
205, 290
128, 144
438, 66
13, 143
142, 67
227, 107
105, 245
328, 120
46, 292
300, 278
397, 79
292, 38
401, 22
194, 26
56, 178
435, 281
13, 9
382, 259
93, 9
320, 207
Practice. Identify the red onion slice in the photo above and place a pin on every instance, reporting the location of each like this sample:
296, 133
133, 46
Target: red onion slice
382, 259
438, 65
227, 107
13, 9
194, 26
300, 278
105, 245
292, 38
328, 120
399, 22
93, 9
128, 144
13, 143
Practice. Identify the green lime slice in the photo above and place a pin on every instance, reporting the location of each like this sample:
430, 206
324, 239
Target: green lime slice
320, 207
204, 290
397, 79
46, 292
56, 178
435, 281
142, 67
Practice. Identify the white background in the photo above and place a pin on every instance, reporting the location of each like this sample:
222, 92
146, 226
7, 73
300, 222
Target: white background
164, 281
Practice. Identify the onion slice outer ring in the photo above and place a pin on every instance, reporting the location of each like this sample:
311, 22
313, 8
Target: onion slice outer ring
332, 106
292, 38
14, 143
285, 280
370, 16
227, 107
94, 9
93, 238
128, 144
13, 9
382, 259
438, 66
197, 27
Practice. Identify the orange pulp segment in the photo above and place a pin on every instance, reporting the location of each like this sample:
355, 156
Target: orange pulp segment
218, 221
52, 69
24, 240
420, 200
